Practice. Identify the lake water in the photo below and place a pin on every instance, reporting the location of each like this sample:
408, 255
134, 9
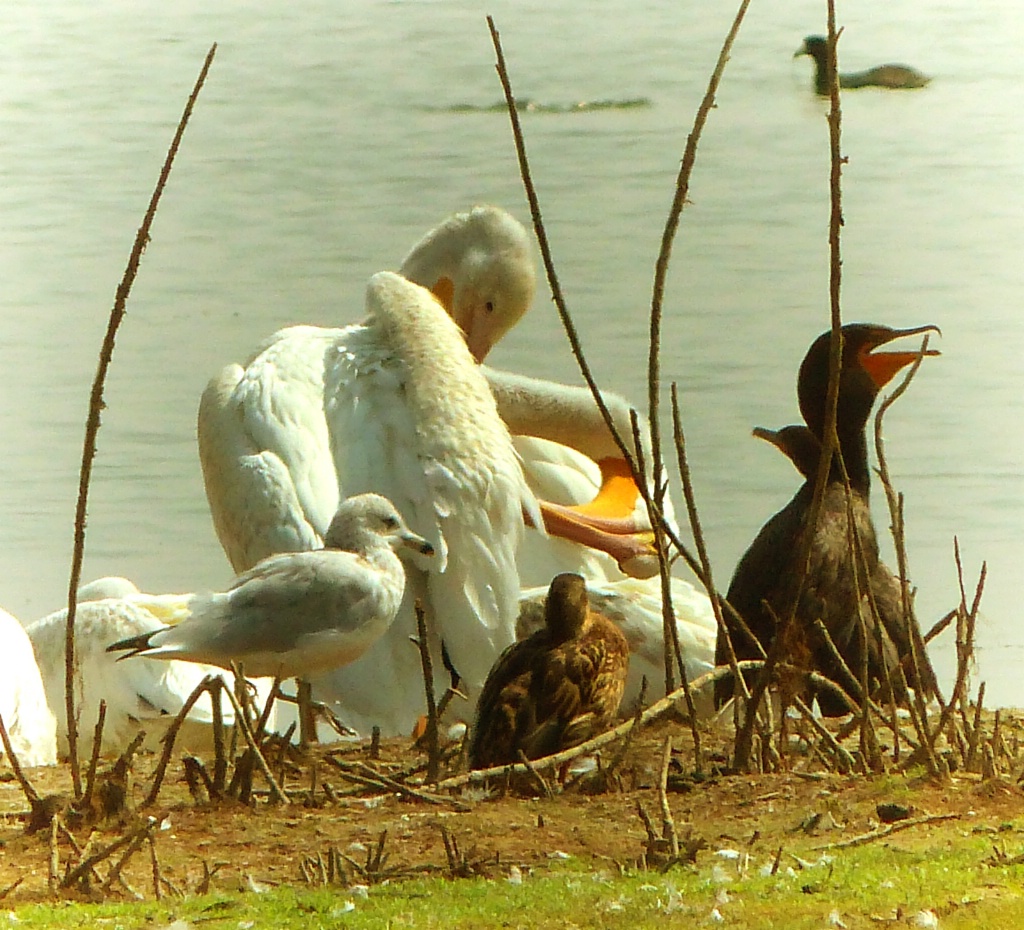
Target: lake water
330, 136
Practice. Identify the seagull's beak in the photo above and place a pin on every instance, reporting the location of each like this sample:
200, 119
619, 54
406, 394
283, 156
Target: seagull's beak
417, 543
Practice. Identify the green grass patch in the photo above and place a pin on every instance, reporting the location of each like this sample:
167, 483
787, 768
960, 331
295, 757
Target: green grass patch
957, 881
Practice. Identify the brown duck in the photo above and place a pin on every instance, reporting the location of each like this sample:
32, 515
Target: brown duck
554, 689
769, 574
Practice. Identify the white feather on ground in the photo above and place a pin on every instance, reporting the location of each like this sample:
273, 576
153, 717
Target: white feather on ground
30, 724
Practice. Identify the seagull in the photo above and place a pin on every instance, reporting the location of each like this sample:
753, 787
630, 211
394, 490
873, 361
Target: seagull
30, 724
139, 695
554, 689
298, 613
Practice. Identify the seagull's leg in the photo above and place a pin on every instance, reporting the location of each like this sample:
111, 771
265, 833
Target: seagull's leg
307, 717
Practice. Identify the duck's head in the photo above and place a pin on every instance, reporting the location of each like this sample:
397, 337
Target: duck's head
566, 607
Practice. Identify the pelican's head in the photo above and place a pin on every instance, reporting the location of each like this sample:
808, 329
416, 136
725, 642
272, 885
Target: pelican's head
479, 265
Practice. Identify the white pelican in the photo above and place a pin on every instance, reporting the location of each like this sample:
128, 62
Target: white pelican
317, 409
140, 695
30, 724
412, 418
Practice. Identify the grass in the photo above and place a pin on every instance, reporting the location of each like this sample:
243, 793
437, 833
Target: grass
956, 881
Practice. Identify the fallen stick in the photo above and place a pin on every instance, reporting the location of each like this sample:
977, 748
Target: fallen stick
887, 830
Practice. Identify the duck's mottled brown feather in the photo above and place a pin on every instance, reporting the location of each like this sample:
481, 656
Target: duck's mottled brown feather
554, 689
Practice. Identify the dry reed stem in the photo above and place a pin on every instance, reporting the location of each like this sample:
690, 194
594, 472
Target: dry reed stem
220, 759
560, 305
116, 870
276, 792
668, 824
887, 830
92, 424
975, 733
535, 774
843, 755
362, 773
4, 892
53, 862
155, 864
964, 643
27, 788
210, 685
918, 656
94, 758
620, 755
744, 737
661, 266
90, 862
431, 737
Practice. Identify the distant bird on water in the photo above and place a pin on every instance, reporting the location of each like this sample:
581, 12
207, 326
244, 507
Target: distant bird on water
554, 689
299, 613
894, 77
769, 572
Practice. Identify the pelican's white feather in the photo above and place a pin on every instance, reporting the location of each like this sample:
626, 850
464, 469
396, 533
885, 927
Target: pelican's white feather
146, 694
30, 724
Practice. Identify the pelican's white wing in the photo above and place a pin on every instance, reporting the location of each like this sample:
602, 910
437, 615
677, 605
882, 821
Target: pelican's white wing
412, 418
140, 694
561, 475
264, 448
30, 724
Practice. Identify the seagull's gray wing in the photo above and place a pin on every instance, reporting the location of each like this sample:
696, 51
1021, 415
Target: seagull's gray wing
270, 608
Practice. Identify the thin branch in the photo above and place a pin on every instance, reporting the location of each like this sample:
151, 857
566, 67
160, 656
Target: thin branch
92, 425
27, 788
431, 736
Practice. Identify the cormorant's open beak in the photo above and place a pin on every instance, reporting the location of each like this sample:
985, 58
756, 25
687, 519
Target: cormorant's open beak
883, 366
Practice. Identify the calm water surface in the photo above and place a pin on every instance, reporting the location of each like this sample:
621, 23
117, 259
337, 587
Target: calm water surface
321, 150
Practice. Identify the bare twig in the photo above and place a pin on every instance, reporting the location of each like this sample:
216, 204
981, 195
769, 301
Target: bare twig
97, 742
276, 791
53, 870
92, 425
155, 863
888, 830
536, 775
668, 824
27, 788
431, 736
211, 684
87, 864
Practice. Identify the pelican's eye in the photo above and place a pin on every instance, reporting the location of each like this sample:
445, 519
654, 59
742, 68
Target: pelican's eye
489, 306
